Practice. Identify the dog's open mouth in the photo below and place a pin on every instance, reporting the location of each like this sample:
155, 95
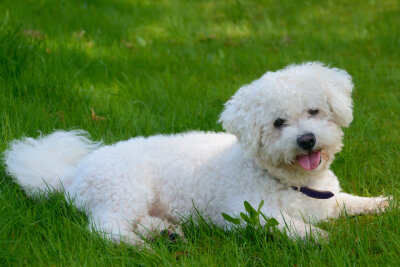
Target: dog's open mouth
310, 161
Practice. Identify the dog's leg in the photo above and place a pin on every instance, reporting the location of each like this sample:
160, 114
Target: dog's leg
115, 228
151, 228
354, 205
298, 229
135, 231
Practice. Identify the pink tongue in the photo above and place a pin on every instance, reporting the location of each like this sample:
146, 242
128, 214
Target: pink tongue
310, 161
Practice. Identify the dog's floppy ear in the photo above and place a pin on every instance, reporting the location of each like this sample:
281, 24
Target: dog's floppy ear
339, 98
240, 118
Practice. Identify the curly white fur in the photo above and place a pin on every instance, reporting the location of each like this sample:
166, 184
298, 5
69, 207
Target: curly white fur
144, 183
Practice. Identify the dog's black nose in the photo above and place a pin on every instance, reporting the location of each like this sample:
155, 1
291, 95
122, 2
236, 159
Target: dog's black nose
306, 141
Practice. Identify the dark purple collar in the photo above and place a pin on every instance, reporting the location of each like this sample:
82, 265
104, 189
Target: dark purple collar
310, 192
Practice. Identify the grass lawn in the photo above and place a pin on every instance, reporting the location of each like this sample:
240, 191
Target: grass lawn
121, 68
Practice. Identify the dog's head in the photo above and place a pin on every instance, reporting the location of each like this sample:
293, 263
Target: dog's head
291, 119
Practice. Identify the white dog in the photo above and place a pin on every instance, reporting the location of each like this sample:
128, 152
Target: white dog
283, 131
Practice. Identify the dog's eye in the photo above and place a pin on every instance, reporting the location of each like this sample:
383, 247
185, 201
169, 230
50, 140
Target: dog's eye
313, 111
278, 123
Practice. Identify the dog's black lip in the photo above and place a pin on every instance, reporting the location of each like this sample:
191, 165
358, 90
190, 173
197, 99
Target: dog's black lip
302, 154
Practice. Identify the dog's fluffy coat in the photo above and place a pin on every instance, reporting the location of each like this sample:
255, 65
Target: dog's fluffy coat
143, 184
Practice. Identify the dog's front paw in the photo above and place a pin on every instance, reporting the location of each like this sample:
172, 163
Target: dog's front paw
320, 236
323, 235
382, 203
310, 234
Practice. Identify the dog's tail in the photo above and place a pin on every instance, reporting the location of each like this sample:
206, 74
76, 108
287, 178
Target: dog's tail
41, 164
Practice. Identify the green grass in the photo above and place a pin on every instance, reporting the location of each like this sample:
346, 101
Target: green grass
152, 67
